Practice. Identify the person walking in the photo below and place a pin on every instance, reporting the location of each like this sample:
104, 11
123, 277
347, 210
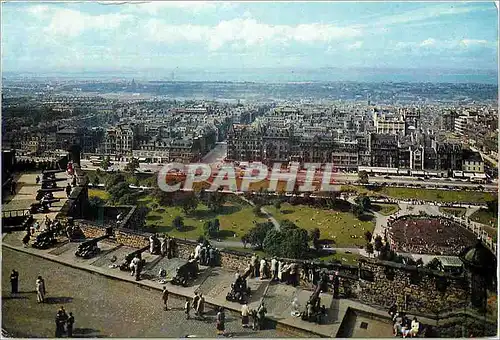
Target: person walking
187, 308
255, 320
165, 297
261, 315
201, 306
220, 321
14, 282
195, 303
61, 319
69, 325
274, 269
26, 239
245, 313
40, 290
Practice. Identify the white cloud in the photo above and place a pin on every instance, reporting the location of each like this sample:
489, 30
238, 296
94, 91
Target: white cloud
444, 44
430, 12
428, 42
38, 10
355, 46
71, 23
156, 7
473, 42
245, 31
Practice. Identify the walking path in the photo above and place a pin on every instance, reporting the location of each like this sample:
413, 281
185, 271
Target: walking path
214, 283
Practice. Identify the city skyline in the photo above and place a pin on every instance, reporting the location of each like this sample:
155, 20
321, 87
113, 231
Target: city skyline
119, 36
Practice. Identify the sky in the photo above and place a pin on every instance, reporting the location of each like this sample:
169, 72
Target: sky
121, 35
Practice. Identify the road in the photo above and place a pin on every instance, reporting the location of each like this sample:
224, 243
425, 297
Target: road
102, 307
217, 154
339, 178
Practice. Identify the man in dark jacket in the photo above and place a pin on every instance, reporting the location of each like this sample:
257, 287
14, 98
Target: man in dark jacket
14, 281
69, 323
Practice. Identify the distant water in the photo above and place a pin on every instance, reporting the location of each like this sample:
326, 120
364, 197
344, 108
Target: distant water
287, 75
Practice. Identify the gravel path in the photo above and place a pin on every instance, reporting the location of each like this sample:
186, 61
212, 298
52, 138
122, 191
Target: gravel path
102, 307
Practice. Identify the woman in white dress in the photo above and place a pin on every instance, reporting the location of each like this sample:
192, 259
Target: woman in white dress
280, 268
40, 290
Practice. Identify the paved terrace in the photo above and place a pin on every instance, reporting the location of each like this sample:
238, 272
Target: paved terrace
214, 283
26, 193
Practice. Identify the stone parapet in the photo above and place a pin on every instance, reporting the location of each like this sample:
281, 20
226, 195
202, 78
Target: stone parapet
373, 282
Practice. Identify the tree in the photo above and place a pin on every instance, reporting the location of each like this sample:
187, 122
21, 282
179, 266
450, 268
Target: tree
113, 180
287, 224
364, 202
189, 204
257, 234
357, 210
493, 206
314, 237
207, 227
290, 242
378, 243
132, 165
215, 201
368, 236
106, 163
277, 205
369, 248
178, 223
128, 199
141, 213
256, 209
245, 240
119, 190
215, 227
363, 177
95, 181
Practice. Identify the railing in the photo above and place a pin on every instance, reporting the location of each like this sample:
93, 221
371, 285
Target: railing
15, 213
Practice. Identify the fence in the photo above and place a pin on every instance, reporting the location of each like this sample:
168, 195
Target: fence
15, 213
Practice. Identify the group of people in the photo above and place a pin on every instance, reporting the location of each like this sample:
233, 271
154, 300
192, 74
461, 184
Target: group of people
205, 254
276, 270
136, 266
402, 324
258, 316
430, 235
164, 246
39, 286
64, 323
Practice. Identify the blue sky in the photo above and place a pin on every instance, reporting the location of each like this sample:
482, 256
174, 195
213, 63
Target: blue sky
41, 36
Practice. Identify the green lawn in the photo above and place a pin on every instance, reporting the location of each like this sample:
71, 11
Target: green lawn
425, 194
249, 250
333, 225
235, 218
385, 209
103, 194
343, 257
438, 195
459, 212
484, 216
144, 179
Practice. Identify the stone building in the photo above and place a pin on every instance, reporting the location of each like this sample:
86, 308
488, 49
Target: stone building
384, 150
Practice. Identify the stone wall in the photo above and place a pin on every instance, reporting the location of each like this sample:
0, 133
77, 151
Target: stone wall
374, 282
419, 290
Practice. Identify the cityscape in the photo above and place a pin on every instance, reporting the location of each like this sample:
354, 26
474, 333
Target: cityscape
249, 169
